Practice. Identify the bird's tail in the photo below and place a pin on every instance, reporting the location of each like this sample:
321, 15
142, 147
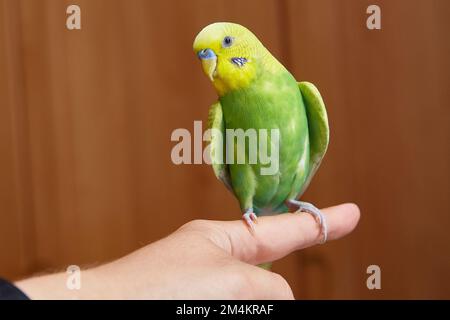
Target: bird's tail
266, 266
282, 208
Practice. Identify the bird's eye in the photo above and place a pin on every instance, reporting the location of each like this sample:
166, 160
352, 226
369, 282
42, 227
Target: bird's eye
227, 41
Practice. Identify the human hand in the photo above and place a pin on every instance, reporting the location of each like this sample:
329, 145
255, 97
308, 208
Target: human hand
203, 260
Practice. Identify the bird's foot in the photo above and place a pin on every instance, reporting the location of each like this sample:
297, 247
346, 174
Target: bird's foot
316, 213
250, 218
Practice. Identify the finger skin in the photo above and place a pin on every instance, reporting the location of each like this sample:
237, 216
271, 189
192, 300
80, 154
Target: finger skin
270, 286
276, 236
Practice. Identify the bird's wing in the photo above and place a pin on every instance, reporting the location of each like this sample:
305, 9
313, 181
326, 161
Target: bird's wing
217, 144
319, 132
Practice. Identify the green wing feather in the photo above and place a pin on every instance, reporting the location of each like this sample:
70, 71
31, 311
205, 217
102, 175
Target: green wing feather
319, 132
217, 145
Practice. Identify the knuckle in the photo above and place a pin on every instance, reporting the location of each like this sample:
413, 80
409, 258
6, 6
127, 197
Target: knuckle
242, 283
197, 224
285, 288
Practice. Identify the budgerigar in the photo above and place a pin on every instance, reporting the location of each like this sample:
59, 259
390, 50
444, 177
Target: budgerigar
255, 91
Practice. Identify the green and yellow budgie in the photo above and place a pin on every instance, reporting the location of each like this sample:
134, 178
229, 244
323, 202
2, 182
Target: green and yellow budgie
257, 92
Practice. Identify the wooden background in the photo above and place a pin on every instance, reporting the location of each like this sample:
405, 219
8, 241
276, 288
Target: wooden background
86, 118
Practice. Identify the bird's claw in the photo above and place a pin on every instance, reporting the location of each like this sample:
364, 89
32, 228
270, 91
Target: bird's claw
250, 219
316, 213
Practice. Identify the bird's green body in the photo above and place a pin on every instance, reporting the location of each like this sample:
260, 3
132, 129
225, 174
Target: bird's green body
262, 94
273, 101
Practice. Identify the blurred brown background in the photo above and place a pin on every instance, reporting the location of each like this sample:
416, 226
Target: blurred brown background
86, 118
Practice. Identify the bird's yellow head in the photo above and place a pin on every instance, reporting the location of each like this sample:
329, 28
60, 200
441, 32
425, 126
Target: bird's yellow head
231, 55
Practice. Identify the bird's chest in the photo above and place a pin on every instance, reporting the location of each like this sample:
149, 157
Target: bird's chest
266, 107
272, 118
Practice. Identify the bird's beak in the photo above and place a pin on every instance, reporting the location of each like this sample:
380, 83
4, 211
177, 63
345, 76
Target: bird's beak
209, 62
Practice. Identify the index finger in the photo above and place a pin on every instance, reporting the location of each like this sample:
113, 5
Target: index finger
276, 236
